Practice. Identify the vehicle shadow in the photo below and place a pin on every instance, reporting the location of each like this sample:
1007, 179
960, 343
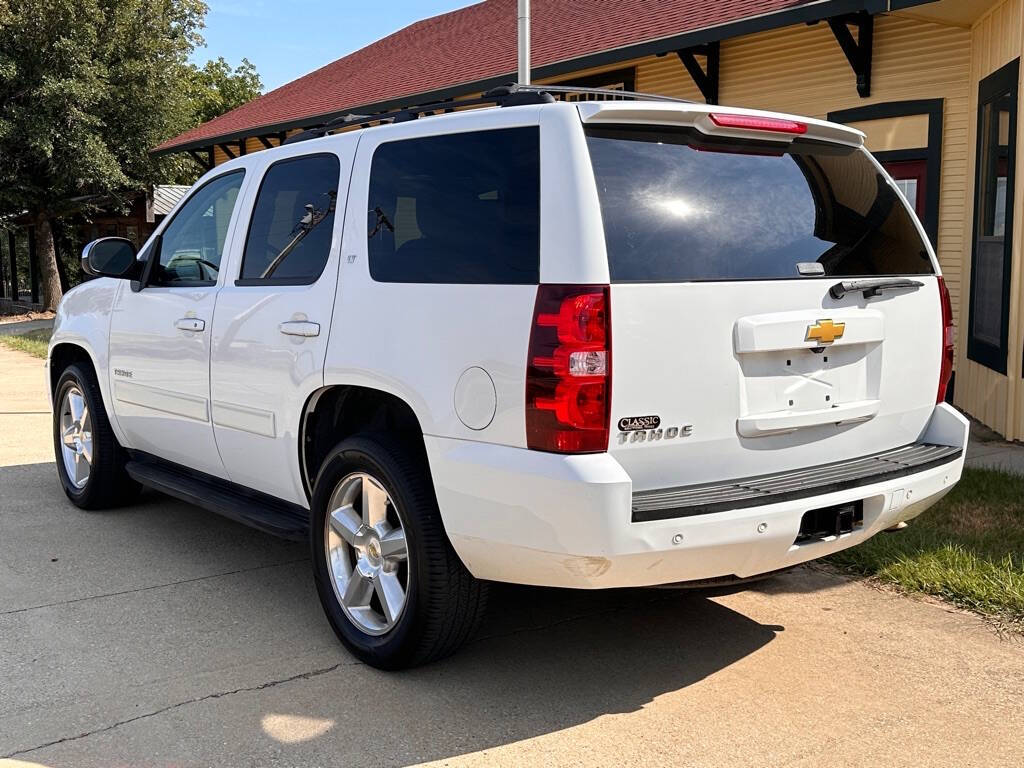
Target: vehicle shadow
544, 660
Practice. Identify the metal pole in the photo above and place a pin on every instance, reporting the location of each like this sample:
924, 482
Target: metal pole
524, 42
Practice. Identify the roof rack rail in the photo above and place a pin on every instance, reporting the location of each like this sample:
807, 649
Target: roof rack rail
511, 95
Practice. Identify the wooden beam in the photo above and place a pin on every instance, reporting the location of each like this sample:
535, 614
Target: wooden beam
241, 147
706, 79
265, 141
858, 52
206, 163
226, 149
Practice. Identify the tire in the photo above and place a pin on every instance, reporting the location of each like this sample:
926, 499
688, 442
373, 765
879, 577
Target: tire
105, 484
443, 603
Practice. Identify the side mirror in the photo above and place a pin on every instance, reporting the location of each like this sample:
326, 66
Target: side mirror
111, 257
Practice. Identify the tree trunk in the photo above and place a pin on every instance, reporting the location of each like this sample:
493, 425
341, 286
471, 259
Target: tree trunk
46, 257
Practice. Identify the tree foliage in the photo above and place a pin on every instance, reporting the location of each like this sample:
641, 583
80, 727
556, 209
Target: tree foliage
87, 88
216, 88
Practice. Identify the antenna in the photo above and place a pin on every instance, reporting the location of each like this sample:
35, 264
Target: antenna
524, 42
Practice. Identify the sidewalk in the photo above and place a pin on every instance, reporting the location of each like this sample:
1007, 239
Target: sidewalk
990, 451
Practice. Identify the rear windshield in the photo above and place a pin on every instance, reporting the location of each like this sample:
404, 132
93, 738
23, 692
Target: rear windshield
679, 206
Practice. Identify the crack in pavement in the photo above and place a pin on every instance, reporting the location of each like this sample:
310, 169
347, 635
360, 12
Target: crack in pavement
308, 676
198, 699
153, 586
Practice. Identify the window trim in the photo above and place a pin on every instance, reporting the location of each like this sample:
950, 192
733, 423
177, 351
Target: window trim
154, 257
248, 282
1003, 80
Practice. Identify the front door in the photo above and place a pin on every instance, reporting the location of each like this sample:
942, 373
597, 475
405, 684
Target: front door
271, 325
160, 336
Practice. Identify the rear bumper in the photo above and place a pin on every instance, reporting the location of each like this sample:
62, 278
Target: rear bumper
567, 521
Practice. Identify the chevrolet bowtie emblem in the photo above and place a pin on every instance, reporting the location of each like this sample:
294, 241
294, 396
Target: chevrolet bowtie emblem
825, 331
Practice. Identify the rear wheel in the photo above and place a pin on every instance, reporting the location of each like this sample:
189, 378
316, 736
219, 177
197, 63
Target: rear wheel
90, 461
390, 583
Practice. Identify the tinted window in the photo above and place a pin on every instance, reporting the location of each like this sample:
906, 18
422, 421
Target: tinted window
191, 246
293, 221
462, 208
679, 206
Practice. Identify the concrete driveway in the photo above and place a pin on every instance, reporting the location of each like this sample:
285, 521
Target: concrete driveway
161, 635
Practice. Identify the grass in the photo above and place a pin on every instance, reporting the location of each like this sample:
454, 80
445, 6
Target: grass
968, 548
32, 342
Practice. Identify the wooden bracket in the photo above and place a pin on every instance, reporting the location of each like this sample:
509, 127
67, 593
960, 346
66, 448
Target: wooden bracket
705, 79
858, 52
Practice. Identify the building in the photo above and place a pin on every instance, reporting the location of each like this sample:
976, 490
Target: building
933, 83
19, 281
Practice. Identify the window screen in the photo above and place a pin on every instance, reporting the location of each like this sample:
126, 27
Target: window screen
680, 206
461, 208
293, 221
192, 244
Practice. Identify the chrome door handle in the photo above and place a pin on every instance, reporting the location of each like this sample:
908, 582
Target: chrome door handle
300, 328
193, 324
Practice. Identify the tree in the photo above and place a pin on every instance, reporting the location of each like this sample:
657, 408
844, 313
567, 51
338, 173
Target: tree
217, 89
87, 88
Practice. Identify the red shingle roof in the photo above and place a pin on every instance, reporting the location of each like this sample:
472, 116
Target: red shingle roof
470, 45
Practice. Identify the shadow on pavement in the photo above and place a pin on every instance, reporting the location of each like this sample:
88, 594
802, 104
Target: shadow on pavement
232, 656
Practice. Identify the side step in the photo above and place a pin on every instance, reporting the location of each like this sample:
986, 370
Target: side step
257, 510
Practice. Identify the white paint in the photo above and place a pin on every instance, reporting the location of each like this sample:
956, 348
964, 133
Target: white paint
475, 398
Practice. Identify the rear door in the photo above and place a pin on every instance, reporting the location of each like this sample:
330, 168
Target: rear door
732, 355
271, 326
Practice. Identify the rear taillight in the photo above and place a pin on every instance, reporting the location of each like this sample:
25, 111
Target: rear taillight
568, 370
756, 123
946, 369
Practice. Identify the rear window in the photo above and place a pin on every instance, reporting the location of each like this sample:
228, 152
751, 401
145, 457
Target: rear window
460, 208
680, 206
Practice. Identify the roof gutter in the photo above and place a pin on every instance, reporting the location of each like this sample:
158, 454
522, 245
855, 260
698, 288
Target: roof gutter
815, 10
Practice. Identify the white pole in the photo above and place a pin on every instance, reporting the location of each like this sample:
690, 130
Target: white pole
524, 42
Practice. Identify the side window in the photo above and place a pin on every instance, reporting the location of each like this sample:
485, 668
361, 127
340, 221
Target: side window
192, 245
461, 208
292, 222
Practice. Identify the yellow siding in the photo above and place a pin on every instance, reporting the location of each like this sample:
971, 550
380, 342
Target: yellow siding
996, 39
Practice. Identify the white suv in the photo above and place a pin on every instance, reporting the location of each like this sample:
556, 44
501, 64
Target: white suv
591, 344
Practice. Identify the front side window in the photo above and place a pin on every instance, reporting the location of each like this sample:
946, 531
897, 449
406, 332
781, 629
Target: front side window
681, 206
192, 245
993, 209
292, 222
461, 208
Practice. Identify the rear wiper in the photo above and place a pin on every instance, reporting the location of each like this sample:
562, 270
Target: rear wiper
873, 287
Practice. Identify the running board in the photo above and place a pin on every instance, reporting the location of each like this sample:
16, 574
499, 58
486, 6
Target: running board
257, 510
708, 498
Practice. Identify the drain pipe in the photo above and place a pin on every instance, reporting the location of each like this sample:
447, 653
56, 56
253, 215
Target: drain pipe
524, 42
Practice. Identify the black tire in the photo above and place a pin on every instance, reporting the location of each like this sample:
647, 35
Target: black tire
444, 603
108, 484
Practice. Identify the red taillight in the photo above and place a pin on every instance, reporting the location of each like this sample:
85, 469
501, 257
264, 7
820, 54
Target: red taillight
755, 123
946, 369
568, 370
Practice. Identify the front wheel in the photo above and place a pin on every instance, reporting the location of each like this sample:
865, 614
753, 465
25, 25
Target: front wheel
90, 461
393, 588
